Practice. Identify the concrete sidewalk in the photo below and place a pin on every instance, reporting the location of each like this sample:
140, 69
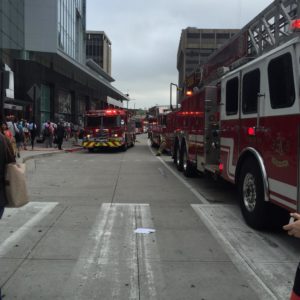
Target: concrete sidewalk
41, 150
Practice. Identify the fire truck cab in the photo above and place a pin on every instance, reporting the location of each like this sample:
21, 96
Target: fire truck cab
109, 128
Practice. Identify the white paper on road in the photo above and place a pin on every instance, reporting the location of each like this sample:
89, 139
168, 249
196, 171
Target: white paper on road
144, 230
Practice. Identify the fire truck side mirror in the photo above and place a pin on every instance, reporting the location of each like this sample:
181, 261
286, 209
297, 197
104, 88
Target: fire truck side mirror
122, 122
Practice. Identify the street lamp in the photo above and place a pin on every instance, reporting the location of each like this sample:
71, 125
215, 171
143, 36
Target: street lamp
177, 89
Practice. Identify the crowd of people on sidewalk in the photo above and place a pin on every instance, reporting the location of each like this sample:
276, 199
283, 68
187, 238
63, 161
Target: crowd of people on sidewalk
20, 133
23, 134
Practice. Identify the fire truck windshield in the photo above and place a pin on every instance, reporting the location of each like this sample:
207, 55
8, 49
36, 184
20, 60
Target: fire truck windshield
104, 122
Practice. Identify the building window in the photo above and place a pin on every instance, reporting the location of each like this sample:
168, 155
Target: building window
223, 36
208, 35
193, 35
251, 88
281, 81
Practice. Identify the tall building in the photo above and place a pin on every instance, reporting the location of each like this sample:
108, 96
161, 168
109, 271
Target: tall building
56, 25
194, 48
11, 43
44, 71
98, 48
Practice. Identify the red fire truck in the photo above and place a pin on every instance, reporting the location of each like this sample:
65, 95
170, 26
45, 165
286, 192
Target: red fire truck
243, 120
157, 124
109, 128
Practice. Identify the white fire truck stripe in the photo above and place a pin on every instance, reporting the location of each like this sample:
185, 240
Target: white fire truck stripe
196, 138
228, 143
282, 188
283, 202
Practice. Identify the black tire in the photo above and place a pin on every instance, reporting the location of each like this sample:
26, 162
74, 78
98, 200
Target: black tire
152, 143
91, 150
178, 161
251, 196
174, 156
124, 147
188, 168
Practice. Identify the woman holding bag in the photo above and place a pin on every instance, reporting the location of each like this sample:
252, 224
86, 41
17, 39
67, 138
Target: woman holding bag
6, 157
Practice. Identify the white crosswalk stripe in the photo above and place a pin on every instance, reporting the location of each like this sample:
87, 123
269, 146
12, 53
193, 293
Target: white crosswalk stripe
26, 217
112, 256
102, 256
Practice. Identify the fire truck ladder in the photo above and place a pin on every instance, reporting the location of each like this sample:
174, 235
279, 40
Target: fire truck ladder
272, 26
266, 31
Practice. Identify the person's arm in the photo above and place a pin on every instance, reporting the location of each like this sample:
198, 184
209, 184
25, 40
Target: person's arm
293, 229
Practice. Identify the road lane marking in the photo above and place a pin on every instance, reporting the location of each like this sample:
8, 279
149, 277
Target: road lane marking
103, 257
267, 266
45, 209
200, 197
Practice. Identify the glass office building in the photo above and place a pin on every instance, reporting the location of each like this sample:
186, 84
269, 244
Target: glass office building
71, 27
12, 24
11, 44
98, 48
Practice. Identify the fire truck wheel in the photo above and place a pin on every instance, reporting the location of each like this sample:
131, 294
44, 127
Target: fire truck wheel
91, 150
152, 142
187, 166
251, 195
124, 147
178, 161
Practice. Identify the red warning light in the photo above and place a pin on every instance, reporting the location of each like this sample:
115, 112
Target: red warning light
221, 167
251, 131
295, 25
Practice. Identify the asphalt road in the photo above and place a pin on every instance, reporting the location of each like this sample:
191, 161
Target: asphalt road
76, 238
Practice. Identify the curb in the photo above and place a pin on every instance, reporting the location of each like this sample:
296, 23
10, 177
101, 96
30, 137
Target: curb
77, 149
33, 156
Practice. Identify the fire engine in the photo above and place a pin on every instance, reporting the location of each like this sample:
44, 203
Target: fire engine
243, 120
157, 124
140, 124
108, 128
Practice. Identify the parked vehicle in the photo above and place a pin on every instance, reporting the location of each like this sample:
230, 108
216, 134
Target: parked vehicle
242, 121
109, 128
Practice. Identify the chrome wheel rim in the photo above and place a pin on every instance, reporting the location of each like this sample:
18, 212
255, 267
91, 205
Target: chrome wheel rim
249, 192
184, 160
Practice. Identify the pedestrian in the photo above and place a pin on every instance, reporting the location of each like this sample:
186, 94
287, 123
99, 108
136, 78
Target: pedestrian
293, 229
60, 134
19, 136
75, 129
48, 134
32, 131
26, 133
6, 132
12, 127
6, 157
162, 146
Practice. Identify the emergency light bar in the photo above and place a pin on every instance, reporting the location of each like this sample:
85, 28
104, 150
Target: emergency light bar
105, 112
191, 113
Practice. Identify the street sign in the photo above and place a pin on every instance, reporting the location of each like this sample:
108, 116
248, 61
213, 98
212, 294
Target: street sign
30, 92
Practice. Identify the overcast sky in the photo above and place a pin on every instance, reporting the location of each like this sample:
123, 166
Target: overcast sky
145, 36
